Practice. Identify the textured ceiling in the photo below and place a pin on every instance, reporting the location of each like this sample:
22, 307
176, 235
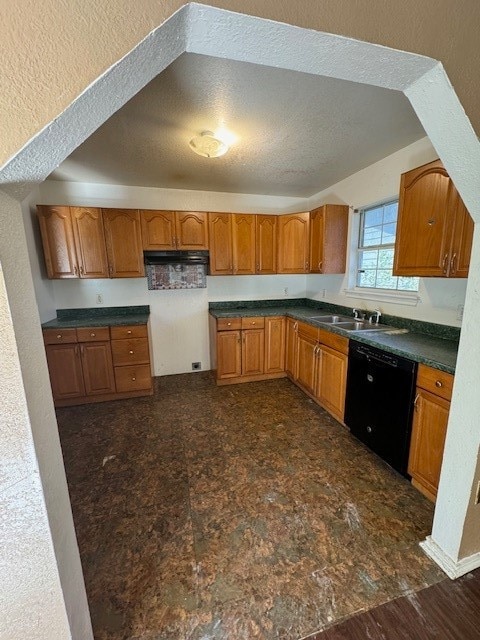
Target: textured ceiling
296, 133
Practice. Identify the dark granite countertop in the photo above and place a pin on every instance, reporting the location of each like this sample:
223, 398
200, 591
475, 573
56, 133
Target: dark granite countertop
431, 344
98, 317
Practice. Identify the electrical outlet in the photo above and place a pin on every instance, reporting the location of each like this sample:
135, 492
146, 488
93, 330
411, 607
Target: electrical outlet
285, 291
460, 312
323, 293
99, 298
196, 366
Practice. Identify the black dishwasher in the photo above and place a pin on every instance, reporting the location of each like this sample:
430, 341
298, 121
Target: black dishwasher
379, 402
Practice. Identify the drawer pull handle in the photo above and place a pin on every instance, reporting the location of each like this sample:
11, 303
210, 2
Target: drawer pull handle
129, 331
92, 335
229, 324
133, 379
438, 383
59, 337
253, 322
130, 352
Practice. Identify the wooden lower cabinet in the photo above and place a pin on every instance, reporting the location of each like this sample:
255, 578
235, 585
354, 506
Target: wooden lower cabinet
429, 429
84, 367
247, 349
331, 381
291, 348
307, 346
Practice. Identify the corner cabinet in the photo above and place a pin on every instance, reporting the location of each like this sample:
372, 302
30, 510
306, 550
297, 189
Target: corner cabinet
430, 419
434, 229
84, 363
247, 349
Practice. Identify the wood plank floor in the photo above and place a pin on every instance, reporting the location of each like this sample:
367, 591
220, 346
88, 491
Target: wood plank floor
448, 610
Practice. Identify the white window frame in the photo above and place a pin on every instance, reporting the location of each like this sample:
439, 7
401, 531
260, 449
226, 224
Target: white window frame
394, 296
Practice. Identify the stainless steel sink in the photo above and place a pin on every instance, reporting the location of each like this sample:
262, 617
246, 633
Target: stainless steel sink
331, 319
359, 325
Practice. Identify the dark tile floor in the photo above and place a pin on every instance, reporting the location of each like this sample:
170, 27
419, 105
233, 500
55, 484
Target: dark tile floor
215, 513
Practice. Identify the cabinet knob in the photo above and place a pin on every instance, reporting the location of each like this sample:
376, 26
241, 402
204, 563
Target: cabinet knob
438, 383
133, 379
431, 222
130, 351
92, 335
59, 336
253, 322
229, 324
129, 331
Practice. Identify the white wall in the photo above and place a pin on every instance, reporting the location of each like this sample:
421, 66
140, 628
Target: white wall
439, 297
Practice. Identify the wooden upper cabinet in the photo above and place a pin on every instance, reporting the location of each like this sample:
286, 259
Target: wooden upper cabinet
266, 244
293, 243
462, 238
220, 238
124, 243
243, 237
89, 237
191, 230
168, 230
158, 230
58, 241
434, 230
328, 239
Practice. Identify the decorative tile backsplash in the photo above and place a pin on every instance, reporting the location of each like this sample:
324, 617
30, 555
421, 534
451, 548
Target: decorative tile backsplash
176, 276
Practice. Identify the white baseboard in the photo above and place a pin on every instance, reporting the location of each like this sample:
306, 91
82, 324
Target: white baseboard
453, 568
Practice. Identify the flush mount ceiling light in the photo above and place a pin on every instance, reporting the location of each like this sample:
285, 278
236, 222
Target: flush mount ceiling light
208, 145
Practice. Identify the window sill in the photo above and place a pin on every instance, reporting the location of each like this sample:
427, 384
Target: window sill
406, 298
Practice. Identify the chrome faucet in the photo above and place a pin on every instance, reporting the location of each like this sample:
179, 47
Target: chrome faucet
374, 317
358, 314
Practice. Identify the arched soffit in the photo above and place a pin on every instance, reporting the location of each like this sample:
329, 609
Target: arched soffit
217, 32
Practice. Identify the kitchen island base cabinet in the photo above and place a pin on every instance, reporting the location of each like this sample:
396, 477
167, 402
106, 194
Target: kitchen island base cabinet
430, 419
247, 349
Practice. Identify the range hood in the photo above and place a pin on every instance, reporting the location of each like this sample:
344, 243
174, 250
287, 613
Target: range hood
175, 257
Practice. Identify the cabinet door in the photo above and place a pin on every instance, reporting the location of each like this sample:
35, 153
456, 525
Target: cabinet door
317, 220
429, 429
306, 363
229, 354
58, 243
293, 243
291, 348
274, 344
243, 234
422, 242
124, 243
97, 368
332, 381
266, 241
90, 242
158, 230
65, 368
253, 351
220, 234
191, 230
462, 239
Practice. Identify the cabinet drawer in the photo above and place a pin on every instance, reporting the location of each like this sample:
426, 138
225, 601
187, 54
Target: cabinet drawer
258, 322
59, 336
339, 343
308, 331
133, 351
133, 378
93, 334
229, 324
129, 331
438, 382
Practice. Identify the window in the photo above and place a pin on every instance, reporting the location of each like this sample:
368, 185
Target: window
376, 244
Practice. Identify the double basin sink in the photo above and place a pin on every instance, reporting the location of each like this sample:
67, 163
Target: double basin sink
349, 324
